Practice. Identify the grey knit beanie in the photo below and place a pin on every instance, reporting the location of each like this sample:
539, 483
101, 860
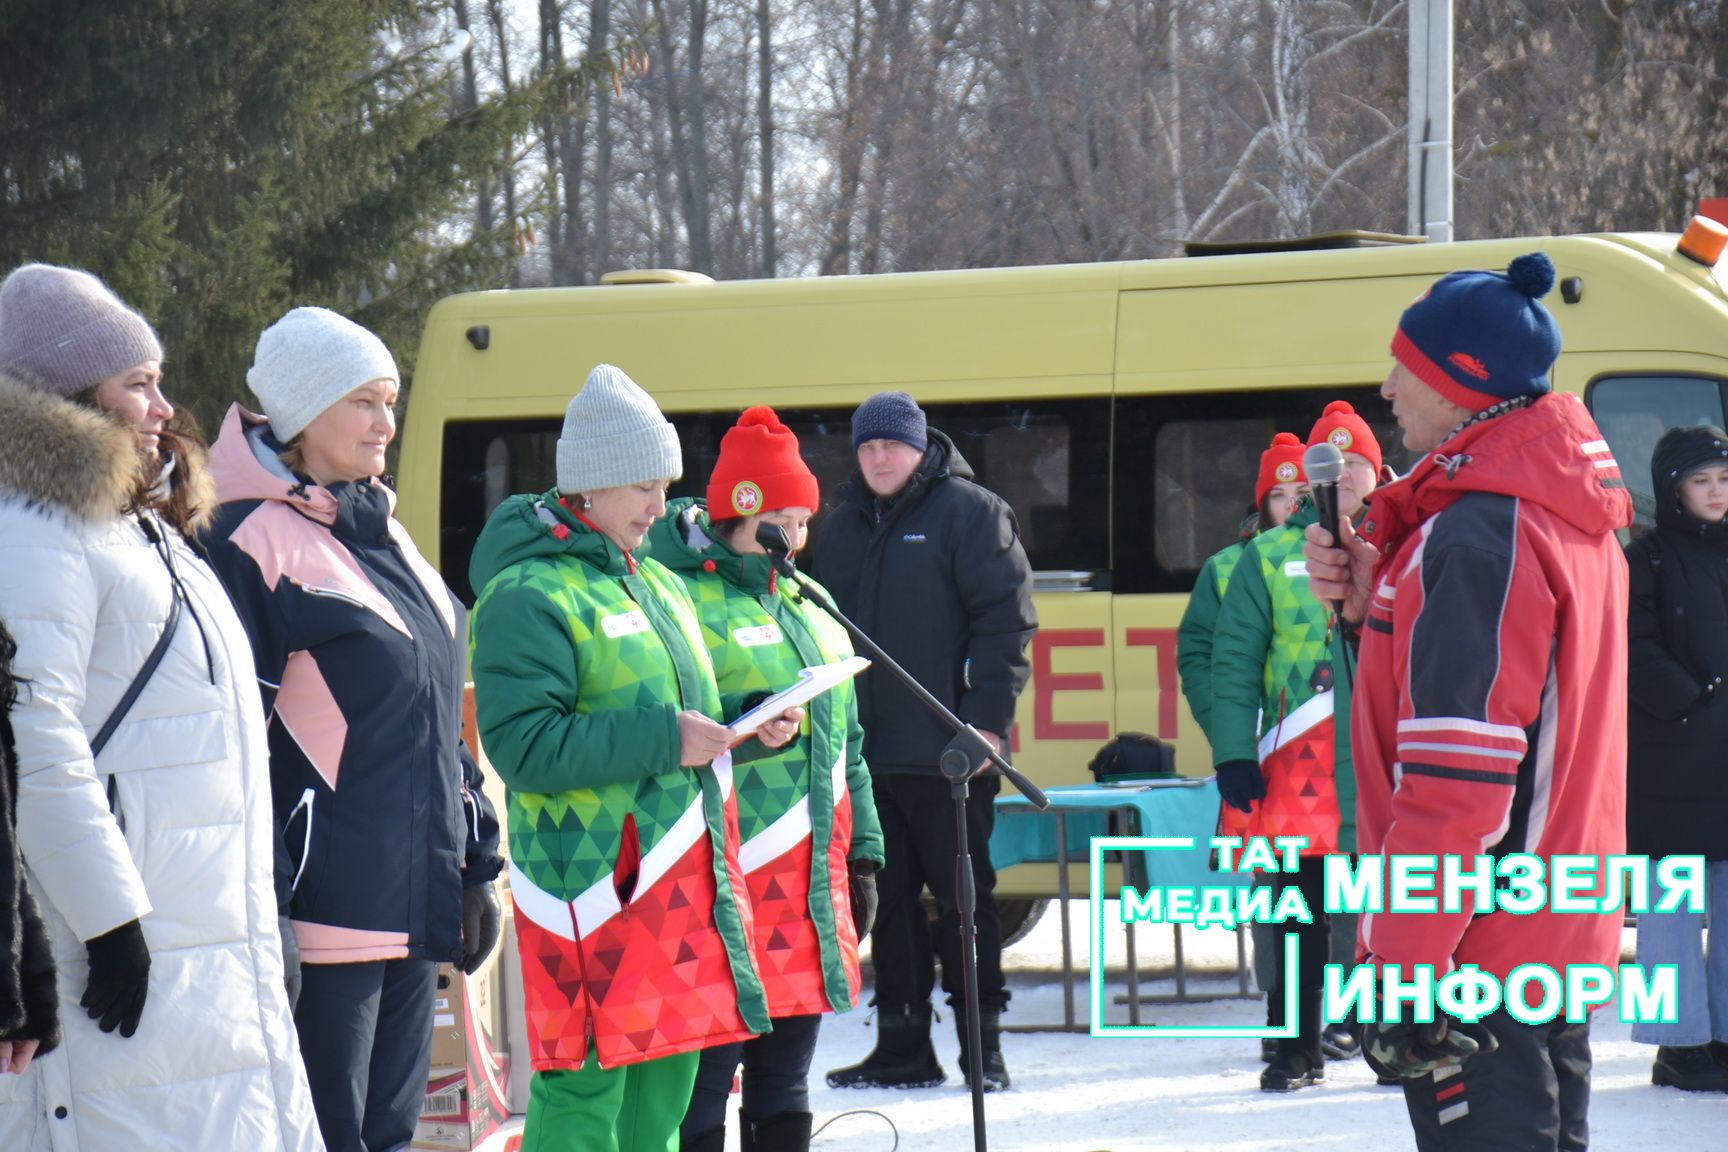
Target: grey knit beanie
890, 416
62, 330
613, 435
310, 359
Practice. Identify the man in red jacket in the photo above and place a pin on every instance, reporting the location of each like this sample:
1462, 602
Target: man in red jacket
1489, 714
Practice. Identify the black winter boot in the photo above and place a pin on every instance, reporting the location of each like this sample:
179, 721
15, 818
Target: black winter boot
990, 1031
1689, 1069
787, 1132
1340, 1042
904, 1056
1295, 1066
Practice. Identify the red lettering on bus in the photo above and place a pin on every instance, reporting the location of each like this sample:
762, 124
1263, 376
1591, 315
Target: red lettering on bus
1046, 683
1163, 640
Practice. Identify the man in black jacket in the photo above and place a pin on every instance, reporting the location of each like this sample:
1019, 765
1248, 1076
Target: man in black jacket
930, 565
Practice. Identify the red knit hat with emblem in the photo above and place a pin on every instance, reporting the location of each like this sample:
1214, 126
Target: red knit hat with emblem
1344, 430
1279, 464
760, 470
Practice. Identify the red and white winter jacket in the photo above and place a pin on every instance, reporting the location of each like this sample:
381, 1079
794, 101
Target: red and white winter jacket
1490, 698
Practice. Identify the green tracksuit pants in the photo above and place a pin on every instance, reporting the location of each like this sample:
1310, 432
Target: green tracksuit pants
635, 1108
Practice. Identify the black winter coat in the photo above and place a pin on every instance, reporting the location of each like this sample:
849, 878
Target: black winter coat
1677, 731
939, 579
28, 1002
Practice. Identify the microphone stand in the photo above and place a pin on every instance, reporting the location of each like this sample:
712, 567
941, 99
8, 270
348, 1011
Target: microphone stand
960, 761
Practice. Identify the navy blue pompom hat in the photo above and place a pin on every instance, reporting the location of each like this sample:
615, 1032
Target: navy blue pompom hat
890, 416
1479, 338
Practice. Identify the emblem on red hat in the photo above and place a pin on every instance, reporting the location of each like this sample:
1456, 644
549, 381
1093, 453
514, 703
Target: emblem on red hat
746, 498
1286, 472
1341, 439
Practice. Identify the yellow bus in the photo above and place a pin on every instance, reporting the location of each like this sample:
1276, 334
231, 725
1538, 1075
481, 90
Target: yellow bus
1120, 408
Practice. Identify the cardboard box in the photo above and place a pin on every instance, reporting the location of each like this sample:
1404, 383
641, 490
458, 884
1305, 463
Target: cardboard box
465, 1100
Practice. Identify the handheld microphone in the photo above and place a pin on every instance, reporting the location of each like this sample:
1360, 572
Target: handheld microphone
1323, 464
775, 542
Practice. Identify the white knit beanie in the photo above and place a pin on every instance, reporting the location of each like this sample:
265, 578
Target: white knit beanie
310, 359
613, 435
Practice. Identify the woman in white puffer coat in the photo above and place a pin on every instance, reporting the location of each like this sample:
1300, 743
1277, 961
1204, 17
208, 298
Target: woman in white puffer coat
153, 860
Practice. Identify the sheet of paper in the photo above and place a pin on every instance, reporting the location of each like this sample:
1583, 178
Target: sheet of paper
811, 683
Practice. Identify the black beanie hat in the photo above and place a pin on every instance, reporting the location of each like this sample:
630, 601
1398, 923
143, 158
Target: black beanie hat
890, 416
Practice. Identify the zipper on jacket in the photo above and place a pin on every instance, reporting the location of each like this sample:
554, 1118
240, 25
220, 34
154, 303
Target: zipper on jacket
307, 799
627, 871
330, 594
473, 808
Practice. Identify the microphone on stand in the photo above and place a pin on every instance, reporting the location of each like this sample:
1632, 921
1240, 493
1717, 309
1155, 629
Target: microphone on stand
778, 545
970, 746
1323, 464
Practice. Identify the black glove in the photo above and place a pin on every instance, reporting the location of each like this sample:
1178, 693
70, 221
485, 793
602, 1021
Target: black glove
119, 978
1240, 784
1414, 1050
479, 925
290, 962
861, 879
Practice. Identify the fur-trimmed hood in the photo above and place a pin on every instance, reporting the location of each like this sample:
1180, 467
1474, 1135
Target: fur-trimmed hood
61, 456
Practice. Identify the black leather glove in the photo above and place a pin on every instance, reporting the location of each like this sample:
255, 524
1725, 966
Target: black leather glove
1412, 1050
119, 978
1240, 784
861, 879
479, 925
290, 962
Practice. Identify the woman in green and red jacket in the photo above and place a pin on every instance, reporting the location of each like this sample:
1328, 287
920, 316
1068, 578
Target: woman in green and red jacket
1278, 488
1273, 730
598, 708
807, 817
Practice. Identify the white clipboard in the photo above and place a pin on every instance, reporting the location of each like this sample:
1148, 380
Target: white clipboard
811, 683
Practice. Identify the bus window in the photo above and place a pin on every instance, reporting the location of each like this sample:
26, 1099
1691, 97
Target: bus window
485, 461
1050, 460
1185, 468
1634, 411
1047, 458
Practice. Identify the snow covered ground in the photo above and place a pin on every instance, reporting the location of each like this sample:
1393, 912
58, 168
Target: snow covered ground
1079, 1093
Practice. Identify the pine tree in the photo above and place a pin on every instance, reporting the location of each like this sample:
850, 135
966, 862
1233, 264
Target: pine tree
219, 161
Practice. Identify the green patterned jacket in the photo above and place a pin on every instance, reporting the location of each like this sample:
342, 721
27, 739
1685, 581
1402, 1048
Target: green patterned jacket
813, 792
632, 915
1194, 634
1272, 675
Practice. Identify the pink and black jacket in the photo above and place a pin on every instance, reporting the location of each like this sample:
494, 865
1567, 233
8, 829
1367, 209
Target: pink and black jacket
360, 654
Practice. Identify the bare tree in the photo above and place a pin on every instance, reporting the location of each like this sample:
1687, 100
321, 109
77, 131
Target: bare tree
854, 136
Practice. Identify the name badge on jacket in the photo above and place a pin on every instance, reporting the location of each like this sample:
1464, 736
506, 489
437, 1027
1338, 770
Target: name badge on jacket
624, 624
757, 636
